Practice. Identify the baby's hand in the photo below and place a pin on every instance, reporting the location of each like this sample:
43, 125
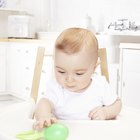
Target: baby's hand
98, 113
44, 121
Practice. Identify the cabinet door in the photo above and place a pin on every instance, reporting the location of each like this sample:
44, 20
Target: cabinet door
21, 61
131, 78
2, 66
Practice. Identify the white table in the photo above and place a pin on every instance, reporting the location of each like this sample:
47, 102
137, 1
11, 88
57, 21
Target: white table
126, 127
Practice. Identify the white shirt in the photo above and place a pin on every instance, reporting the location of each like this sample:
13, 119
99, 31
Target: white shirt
71, 106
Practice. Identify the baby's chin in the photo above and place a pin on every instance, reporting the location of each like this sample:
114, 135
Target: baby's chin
75, 90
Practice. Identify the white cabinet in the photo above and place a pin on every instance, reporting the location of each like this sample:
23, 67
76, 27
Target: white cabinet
130, 74
2, 66
20, 68
17, 62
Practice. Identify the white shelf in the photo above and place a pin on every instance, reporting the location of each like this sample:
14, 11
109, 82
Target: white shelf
130, 46
14, 10
121, 33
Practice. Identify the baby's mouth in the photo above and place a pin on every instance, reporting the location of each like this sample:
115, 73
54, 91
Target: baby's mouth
70, 86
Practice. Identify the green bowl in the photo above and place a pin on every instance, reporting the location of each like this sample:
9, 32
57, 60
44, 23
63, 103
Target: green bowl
56, 132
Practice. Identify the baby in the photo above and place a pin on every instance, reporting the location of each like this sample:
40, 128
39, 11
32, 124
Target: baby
78, 93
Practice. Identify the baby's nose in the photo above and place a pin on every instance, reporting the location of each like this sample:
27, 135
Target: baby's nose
70, 78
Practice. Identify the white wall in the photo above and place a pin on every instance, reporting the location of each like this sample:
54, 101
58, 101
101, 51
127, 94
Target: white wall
65, 13
73, 12
55, 15
69, 13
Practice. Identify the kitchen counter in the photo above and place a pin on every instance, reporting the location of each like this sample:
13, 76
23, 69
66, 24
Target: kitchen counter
15, 39
38, 41
125, 127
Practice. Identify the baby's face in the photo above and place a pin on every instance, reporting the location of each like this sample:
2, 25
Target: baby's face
73, 71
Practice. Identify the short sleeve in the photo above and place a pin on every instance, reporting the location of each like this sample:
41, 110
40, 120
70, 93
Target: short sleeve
51, 93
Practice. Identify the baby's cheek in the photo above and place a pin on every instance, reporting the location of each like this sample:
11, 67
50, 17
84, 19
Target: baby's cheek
61, 81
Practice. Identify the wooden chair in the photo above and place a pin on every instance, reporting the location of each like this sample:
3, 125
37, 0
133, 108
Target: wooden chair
39, 64
103, 63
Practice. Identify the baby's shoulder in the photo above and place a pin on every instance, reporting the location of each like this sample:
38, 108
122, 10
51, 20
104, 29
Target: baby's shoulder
99, 78
53, 84
99, 81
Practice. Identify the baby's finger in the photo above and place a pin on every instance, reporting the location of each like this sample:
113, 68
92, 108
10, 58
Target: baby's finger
53, 120
38, 125
92, 112
94, 116
47, 123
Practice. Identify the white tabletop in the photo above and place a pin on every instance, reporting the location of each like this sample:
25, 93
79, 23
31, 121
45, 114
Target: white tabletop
130, 45
126, 127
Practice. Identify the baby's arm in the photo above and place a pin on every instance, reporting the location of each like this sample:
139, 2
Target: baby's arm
106, 112
43, 114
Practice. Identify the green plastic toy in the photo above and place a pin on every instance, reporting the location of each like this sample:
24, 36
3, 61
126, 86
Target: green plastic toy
54, 132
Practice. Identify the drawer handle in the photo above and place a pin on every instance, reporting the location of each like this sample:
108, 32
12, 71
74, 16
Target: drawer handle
27, 51
27, 88
42, 93
123, 84
18, 50
43, 71
27, 68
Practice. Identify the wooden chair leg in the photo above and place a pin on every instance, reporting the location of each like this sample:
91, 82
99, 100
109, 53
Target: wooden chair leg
37, 73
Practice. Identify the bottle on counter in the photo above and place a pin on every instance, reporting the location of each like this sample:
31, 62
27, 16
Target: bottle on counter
87, 23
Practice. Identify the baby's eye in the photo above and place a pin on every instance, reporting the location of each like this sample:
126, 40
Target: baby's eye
62, 72
79, 73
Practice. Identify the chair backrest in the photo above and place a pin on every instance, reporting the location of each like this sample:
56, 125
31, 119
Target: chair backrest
103, 63
39, 63
37, 73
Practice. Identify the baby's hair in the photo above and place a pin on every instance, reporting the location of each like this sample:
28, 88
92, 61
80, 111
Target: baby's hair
72, 40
